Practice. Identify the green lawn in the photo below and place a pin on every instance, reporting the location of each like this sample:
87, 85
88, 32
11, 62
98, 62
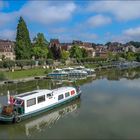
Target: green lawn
26, 73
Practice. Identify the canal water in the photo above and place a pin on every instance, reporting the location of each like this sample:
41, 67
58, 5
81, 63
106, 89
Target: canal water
108, 109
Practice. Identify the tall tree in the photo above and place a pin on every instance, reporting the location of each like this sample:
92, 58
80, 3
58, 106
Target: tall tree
23, 42
76, 52
40, 46
40, 41
56, 51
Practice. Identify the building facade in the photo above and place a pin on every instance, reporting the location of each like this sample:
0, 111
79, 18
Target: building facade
7, 50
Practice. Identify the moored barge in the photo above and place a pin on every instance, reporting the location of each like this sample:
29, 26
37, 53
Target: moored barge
29, 104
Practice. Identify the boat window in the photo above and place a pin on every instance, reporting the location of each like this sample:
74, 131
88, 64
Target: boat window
72, 92
41, 99
49, 95
67, 94
31, 102
60, 97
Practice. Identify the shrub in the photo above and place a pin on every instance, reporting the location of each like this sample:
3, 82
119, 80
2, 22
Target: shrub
8, 64
2, 76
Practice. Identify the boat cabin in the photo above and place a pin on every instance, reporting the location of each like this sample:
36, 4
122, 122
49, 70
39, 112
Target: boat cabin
40, 99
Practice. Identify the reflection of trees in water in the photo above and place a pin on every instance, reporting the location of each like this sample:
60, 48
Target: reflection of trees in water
117, 74
110, 74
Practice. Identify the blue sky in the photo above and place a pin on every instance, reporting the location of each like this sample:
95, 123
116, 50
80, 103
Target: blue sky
91, 21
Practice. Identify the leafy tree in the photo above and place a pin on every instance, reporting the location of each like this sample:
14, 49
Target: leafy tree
65, 55
8, 64
50, 54
21, 63
40, 46
40, 41
84, 53
138, 57
130, 56
75, 52
110, 55
23, 42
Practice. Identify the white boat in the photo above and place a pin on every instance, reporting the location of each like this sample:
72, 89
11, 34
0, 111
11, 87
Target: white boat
88, 70
32, 103
75, 72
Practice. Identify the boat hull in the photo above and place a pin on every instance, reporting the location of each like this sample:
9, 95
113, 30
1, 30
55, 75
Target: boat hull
6, 119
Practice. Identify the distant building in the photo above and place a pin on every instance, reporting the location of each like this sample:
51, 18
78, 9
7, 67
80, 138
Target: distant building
86, 45
115, 47
129, 48
66, 46
7, 50
101, 51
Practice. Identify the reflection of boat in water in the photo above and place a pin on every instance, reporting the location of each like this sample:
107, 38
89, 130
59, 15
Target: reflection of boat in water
49, 119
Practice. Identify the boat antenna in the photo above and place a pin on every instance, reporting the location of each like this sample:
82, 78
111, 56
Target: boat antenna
8, 96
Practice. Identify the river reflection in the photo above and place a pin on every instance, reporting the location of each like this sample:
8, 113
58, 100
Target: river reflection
108, 109
40, 123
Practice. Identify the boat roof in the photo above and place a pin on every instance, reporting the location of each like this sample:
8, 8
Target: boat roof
68, 68
32, 94
62, 90
36, 93
57, 69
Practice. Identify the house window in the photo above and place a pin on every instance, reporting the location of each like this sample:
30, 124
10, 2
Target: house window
41, 99
67, 94
31, 102
60, 97
72, 92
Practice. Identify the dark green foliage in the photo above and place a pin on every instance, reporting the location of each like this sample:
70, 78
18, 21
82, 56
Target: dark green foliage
21, 63
134, 43
56, 51
50, 54
84, 53
91, 60
40, 46
41, 62
40, 41
138, 57
8, 64
1, 64
23, 42
49, 61
76, 52
2, 76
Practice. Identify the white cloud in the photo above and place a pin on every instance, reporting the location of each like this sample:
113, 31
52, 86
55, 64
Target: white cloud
122, 10
98, 20
46, 12
8, 34
132, 32
6, 18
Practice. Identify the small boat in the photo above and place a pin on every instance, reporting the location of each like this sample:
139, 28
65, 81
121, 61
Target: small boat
58, 73
75, 72
29, 104
88, 70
